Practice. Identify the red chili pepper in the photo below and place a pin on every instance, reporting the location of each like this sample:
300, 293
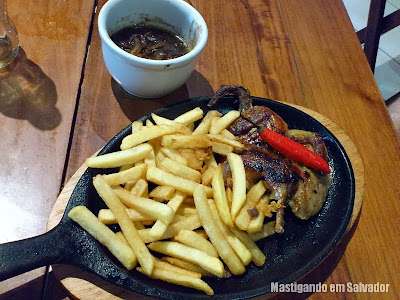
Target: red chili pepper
291, 149
294, 151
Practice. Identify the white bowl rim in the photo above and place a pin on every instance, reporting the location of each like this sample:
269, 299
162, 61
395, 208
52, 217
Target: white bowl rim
181, 60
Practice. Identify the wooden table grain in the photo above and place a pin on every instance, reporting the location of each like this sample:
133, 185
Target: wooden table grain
59, 105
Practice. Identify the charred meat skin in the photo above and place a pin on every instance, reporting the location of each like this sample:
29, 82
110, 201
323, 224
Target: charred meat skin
260, 115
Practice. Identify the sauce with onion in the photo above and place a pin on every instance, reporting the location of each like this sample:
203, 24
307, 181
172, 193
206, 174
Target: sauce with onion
150, 42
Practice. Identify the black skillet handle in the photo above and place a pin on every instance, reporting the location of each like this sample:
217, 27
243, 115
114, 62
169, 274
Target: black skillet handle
25, 255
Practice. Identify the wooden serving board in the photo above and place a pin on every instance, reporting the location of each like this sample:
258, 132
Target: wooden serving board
83, 285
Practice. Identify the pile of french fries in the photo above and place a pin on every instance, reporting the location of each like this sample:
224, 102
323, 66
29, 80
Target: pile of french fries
201, 226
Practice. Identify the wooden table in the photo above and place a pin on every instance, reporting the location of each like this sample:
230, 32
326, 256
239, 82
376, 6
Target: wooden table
59, 105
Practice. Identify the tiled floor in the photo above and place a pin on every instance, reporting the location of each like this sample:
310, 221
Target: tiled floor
387, 68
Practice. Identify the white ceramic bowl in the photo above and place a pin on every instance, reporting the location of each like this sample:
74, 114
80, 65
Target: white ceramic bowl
145, 77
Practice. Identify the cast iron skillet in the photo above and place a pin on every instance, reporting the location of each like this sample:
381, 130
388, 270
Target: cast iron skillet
291, 255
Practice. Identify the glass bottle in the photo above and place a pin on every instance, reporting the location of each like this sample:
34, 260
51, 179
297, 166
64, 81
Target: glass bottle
9, 41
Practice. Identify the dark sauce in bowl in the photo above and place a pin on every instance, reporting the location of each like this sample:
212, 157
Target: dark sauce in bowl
150, 42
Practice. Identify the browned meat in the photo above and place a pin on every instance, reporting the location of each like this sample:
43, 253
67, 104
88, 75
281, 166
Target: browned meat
288, 181
310, 196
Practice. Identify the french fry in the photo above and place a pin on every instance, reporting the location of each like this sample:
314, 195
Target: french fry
107, 217
160, 227
207, 176
211, 161
180, 279
242, 252
145, 205
179, 127
142, 253
220, 197
175, 249
224, 121
150, 160
148, 222
214, 233
123, 177
176, 141
158, 263
258, 256
195, 240
221, 139
121, 236
159, 158
191, 158
126, 167
252, 198
140, 188
227, 134
221, 148
178, 169
190, 126
190, 223
267, 230
190, 116
144, 135
189, 201
202, 233
177, 218
186, 210
149, 123
183, 185
186, 265
228, 192
139, 225
174, 155
205, 124
119, 158
256, 224
162, 192
136, 126
88, 221
238, 183
130, 184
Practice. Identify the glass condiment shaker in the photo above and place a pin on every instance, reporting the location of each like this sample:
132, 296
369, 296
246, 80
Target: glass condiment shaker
9, 41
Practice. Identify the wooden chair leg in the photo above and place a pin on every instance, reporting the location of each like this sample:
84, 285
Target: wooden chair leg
373, 31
